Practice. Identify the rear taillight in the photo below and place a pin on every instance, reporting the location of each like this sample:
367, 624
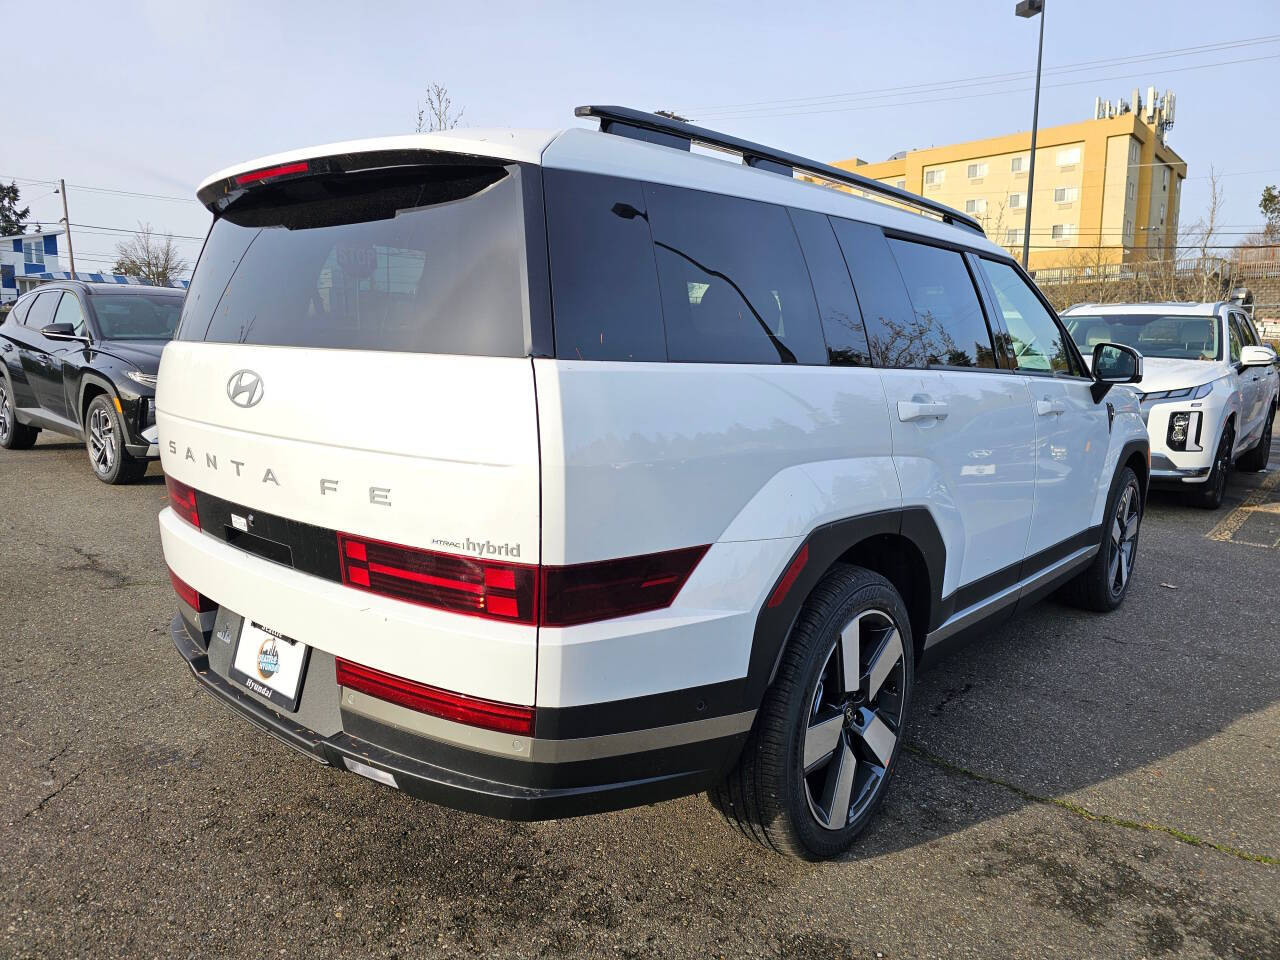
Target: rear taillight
506, 717
581, 593
586, 592
271, 173
189, 595
480, 588
183, 500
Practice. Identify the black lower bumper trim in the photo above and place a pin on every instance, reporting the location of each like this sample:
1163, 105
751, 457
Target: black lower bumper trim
655, 776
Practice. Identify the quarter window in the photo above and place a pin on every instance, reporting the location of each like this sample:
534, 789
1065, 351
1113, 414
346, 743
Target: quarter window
1035, 340
1234, 338
604, 287
841, 319
734, 284
947, 326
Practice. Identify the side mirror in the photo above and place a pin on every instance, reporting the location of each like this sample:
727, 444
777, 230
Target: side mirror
61, 331
1114, 363
1257, 356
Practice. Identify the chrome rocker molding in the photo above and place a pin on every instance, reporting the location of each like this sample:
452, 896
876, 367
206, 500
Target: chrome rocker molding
985, 608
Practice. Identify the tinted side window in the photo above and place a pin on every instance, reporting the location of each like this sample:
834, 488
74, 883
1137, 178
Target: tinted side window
1037, 342
604, 285
1234, 339
41, 312
841, 321
1247, 332
886, 311
734, 285
69, 311
949, 325
19, 313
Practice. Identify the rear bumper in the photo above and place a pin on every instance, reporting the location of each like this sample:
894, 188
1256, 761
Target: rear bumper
471, 780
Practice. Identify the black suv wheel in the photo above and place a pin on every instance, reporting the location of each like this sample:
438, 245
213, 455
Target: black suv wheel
1214, 489
104, 439
826, 739
13, 435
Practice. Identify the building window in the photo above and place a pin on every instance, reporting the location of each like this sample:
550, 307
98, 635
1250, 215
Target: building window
934, 177
1162, 213
1016, 200
1133, 150
1065, 194
1165, 186
901, 184
977, 170
1063, 231
975, 206
33, 251
1017, 164
1128, 229
1130, 190
1069, 156
1013, 236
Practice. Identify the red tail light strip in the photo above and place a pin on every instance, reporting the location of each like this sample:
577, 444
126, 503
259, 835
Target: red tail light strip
505, 717
513, 592
268, 173
183, 500
190, 595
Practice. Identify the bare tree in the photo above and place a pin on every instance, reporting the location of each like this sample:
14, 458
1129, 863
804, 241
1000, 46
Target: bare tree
436, 112
1201, 239
150, 257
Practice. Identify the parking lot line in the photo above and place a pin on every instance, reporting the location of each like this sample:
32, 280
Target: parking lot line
1258, 499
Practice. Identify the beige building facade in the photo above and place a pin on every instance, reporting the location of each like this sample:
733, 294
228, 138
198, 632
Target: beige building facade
1106, 190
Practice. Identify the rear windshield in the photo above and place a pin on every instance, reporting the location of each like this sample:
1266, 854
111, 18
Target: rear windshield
136, 316
1152, 334
429, 261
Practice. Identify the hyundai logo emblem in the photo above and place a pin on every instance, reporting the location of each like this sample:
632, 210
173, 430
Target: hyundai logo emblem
244, 389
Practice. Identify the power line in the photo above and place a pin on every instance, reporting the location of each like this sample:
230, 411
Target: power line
111, 190
773, 114
994, 77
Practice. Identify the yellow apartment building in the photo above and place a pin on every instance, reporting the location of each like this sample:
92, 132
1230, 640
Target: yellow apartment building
1106, 190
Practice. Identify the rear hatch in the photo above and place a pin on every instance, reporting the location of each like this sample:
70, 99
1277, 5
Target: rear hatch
352, 362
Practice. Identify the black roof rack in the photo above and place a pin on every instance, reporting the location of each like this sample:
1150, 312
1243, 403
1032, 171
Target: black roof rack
654, 128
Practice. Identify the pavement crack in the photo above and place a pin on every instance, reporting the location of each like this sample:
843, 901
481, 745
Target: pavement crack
45, 800
1085, 813
93, 563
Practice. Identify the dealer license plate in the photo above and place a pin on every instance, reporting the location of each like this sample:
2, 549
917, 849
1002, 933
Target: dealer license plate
270, 664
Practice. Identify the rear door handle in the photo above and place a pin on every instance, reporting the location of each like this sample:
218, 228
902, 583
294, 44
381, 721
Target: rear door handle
1050, 408
909, 410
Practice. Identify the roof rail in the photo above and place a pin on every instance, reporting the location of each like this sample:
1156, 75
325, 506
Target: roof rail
654, 128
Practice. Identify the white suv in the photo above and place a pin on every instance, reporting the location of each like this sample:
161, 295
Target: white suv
1210, 386
541, 474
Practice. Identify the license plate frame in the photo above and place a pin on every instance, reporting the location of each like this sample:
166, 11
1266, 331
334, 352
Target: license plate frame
258, 650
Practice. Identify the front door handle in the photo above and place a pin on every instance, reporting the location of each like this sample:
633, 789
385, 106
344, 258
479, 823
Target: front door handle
909, 410
1050, 408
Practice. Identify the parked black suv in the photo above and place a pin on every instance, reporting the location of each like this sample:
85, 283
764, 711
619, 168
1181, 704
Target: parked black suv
81, 359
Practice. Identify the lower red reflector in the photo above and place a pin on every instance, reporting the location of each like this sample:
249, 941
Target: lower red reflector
506, 717
789, 578
189, 595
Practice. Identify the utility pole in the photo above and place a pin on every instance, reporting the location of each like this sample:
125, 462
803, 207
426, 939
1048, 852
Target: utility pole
66, 219
1028, 9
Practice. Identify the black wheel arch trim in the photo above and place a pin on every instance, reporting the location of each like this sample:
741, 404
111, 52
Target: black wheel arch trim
826, 545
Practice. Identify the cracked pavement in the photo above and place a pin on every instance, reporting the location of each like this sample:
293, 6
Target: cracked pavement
1077, 786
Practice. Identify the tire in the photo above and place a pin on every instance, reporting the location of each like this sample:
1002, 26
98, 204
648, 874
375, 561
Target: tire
1105, 582
851, 739
1210, 496
13, 435
1256, 459
104, 441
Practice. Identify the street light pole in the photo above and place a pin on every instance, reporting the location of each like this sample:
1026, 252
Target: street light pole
1028, 9
66, 218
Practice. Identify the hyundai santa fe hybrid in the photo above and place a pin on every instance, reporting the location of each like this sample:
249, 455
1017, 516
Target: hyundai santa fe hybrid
80, 359
1210, 387
540, 474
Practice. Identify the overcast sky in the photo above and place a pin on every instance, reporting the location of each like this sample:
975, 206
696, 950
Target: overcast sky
151, 97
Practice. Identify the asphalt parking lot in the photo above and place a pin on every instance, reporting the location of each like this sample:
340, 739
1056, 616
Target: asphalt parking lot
1076, 786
